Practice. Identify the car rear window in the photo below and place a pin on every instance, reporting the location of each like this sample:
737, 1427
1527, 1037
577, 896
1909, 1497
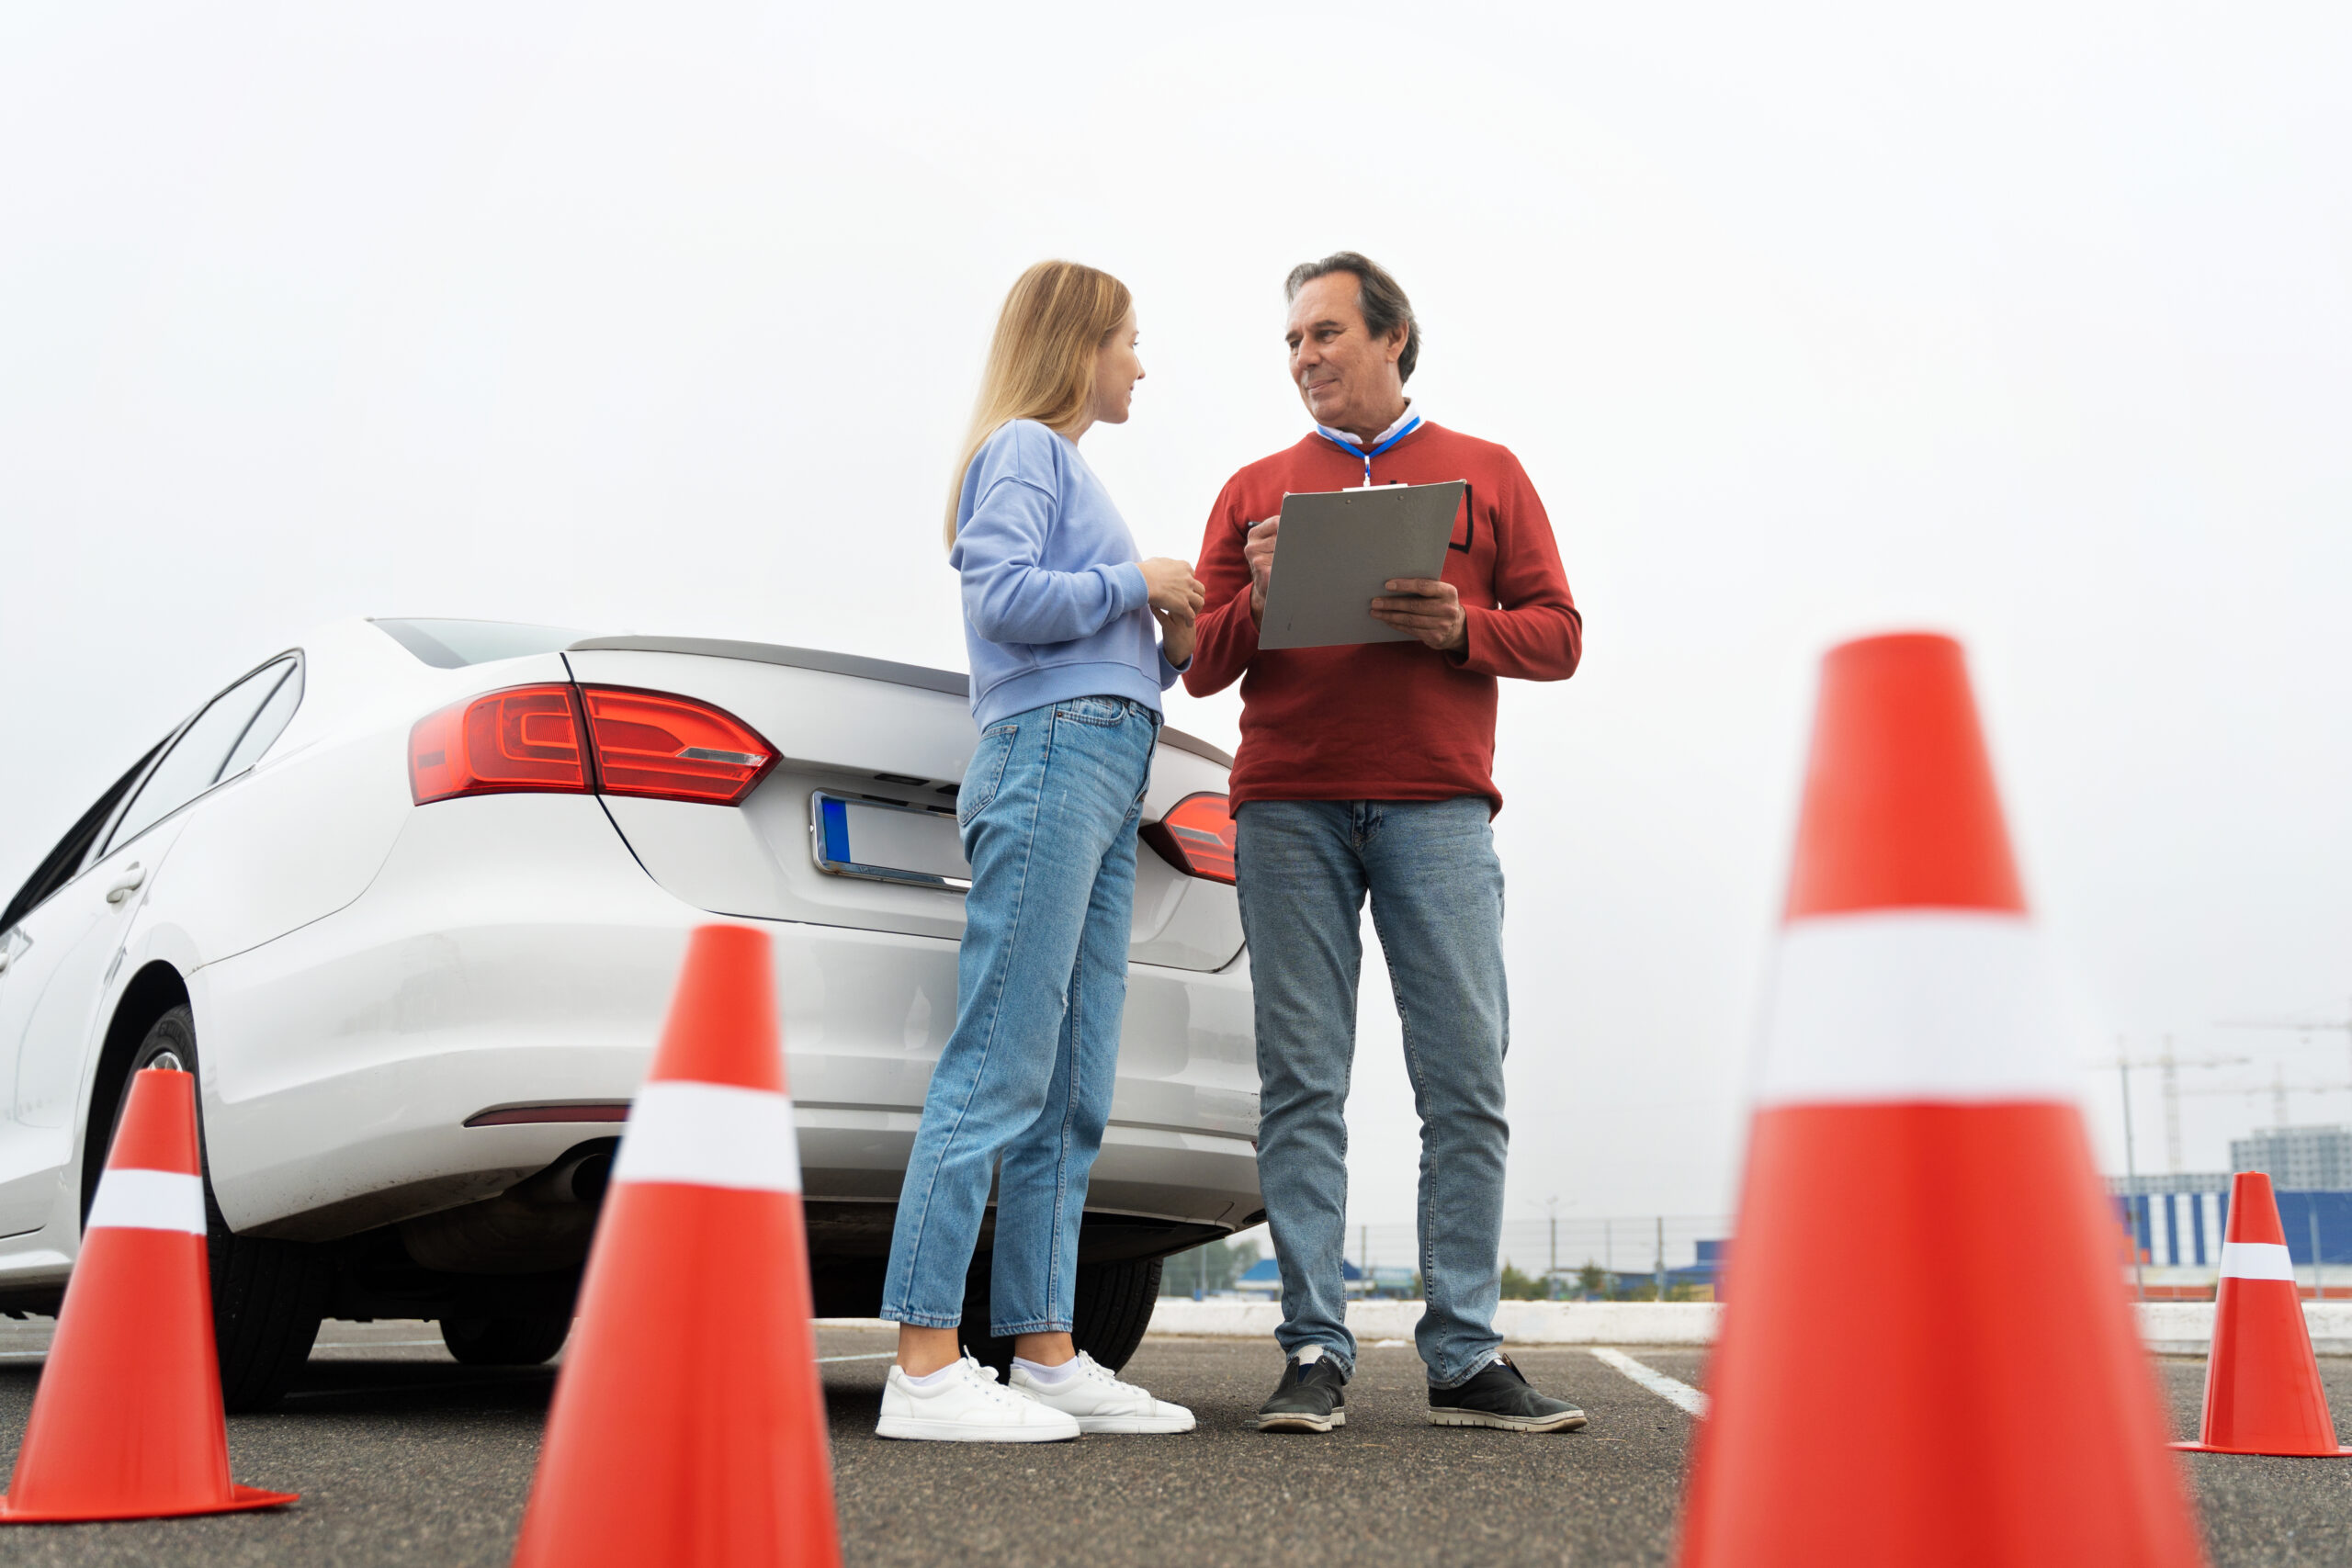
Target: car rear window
453, 645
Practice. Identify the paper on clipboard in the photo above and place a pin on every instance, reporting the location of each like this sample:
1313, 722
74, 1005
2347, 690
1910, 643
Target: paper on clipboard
1337, 551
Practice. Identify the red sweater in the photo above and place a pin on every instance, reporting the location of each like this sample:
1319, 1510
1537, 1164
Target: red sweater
1386, 720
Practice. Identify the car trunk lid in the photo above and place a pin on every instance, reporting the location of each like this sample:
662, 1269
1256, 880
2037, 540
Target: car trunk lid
856, 824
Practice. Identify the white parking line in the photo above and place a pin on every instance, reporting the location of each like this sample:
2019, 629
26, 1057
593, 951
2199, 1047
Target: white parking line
876, 1356
1672, 1391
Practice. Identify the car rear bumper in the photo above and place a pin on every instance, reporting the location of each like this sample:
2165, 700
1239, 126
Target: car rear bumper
512, 954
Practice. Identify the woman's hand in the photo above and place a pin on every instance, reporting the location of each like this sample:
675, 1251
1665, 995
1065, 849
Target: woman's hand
1174, 590
1177, 633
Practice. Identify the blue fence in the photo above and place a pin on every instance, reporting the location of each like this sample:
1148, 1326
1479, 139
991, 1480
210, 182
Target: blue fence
2185, 1229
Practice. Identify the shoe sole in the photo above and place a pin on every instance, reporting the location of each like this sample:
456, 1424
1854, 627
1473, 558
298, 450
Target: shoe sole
1134, 1426
1302, 1422
1567, 1422
912, 1430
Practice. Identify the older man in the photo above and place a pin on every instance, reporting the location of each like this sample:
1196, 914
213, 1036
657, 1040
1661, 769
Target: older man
1368, 770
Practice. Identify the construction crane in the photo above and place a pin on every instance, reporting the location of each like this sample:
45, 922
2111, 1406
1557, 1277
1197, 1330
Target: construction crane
2278, 1090
2169, 1066
2306, 1027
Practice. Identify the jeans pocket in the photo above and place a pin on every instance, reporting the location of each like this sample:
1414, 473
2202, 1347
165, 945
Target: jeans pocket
985, 774
1102, 711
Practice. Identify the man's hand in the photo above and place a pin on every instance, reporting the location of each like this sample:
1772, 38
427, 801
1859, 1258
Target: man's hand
1426, 608
1260, 553
1176, 636
1174, 590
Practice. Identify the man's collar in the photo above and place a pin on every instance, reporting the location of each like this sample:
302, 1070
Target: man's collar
1407, 417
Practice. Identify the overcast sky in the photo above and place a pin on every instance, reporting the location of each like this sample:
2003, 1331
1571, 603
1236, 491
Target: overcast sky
2033, 325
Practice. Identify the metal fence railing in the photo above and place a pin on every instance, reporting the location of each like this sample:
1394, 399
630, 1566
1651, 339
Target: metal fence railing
1631, 1248
1626, 1243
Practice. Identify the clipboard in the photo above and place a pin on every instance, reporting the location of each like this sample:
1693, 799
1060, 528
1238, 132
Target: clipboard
1337, 551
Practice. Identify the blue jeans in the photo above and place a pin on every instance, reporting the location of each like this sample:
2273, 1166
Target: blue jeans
1437, 902
1049, 810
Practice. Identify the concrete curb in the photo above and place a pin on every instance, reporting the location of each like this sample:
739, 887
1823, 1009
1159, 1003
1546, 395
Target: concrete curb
2170, 1328
2186, 1329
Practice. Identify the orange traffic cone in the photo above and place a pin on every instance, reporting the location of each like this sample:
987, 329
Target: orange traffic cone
1927, 1357
2262, 1388
127, 1422
688, 1427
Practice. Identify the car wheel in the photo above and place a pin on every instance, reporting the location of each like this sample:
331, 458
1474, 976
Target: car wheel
1114, 1302
1107, 1321
505, 1341
269, 1296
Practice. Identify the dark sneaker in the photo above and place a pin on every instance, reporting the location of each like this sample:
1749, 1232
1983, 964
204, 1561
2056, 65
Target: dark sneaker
1310, 1398
1499, 1396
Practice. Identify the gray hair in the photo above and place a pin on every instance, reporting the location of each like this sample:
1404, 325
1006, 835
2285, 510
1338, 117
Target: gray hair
1383, 303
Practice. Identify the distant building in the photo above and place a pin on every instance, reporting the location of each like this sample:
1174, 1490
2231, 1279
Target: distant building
2178, 1221
2306, 1159
1263, 1281
1704, 1275
1708, 1270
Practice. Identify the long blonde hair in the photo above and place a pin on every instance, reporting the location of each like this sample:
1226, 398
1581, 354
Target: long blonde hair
1041, 363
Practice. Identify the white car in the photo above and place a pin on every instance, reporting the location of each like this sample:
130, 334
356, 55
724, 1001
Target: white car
410, 900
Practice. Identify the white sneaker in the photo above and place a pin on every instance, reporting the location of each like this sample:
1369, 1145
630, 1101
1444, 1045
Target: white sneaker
1100, 1403
968, 1405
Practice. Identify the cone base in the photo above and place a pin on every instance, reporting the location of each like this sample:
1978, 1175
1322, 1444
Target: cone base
241, 1499
2266, 1453
1795, 1468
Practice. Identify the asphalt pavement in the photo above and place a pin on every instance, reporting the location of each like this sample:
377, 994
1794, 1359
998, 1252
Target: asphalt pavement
403, 1457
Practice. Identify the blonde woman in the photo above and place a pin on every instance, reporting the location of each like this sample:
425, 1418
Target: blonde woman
1066, 672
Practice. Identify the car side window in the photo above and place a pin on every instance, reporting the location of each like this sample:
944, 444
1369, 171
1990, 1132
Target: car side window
62, 865
268, 722
196, 758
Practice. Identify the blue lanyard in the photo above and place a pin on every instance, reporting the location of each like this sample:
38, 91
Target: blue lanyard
1368, 456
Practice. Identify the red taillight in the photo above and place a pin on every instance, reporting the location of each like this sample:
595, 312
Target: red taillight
641, 743
1196, 838
672, 747
526, 738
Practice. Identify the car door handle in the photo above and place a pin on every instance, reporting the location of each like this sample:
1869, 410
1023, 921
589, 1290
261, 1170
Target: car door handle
126, 884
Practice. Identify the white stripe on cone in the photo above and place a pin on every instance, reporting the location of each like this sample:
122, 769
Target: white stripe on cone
708, 1135
148, 1200
1911, 1004
2257, 1260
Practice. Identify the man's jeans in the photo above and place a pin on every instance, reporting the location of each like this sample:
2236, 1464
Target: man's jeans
1437, 902
1049, 810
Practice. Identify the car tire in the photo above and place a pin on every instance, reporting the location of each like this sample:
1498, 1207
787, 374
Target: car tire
1107, 1321
269, 1296
1114, 1304
505, 1341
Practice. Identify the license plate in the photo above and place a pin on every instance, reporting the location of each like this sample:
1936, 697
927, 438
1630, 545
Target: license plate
884, 843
